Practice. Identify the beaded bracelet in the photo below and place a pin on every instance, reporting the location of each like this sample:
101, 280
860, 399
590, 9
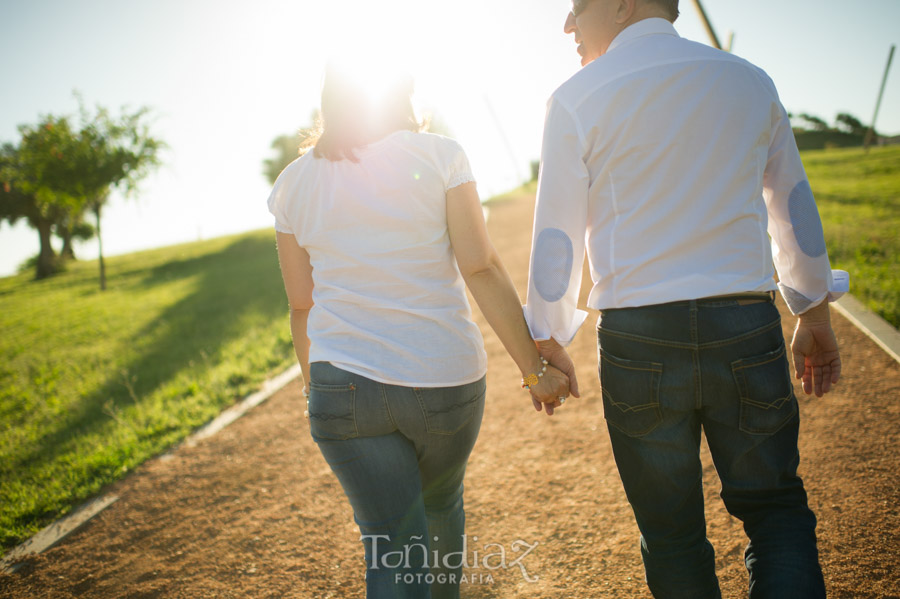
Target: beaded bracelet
532, 379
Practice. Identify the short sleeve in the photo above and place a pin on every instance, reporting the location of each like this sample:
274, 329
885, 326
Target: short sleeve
276, 203
459, 171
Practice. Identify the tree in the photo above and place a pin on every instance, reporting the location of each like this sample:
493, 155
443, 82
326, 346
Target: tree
112, 153
58, 173
16, 204
33, 176
816, 124
851, 123
70, 228
288, 148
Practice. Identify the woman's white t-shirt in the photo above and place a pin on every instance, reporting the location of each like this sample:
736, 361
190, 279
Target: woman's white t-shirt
390, 303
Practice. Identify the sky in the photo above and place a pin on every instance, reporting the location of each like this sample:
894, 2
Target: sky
224, 78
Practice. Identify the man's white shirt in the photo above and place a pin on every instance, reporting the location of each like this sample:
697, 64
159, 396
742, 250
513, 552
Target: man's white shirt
675, 166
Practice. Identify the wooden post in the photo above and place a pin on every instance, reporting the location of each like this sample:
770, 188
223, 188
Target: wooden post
709, 27
871, 132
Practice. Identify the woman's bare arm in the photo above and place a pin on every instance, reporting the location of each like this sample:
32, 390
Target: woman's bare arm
296, 271
494, 291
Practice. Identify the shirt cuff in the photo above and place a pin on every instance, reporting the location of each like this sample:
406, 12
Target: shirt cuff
798, 303
544, 331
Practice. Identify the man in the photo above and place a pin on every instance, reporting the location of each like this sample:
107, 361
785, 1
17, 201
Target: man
672, 164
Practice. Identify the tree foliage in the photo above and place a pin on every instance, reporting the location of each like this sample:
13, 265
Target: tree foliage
812, 132
60, 172
116, 152
815, 123
289, 147
850, 123
33, 179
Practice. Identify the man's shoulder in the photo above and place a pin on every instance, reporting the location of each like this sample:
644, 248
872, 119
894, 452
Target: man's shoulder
635, 59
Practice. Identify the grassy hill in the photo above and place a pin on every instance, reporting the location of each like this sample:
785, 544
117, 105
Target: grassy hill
92, 384
858, 195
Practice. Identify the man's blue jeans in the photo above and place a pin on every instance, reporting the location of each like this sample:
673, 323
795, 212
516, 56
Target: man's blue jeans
670, 369
400, 455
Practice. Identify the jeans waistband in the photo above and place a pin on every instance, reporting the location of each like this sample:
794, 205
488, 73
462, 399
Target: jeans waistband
741, 299
733, 299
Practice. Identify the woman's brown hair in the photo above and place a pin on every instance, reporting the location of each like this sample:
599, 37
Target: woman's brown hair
351, 118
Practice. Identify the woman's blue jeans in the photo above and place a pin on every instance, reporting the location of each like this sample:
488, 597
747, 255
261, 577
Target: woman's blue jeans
400, 455
670, 369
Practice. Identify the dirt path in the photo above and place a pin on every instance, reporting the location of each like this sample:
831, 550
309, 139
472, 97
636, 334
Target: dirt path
255, 512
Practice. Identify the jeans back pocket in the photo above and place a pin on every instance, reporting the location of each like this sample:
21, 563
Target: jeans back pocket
767, 395
630, 394
448, 409
332, 411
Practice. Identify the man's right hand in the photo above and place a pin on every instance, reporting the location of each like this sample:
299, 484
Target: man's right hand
817, 361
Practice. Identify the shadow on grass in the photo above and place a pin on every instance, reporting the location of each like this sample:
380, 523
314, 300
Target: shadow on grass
240, 281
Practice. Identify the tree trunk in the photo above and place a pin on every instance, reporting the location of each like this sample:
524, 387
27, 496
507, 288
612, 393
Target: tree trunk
100, 246
67, 252
46, 263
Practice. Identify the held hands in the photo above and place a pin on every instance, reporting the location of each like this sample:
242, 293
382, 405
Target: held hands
817, 361
550, 391
556, 354
558, 382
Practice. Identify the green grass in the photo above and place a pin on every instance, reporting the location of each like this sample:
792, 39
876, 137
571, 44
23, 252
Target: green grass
858, 195
93, 383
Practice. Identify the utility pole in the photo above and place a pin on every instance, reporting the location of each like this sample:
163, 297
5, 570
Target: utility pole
509, 148
709, 27
871, 132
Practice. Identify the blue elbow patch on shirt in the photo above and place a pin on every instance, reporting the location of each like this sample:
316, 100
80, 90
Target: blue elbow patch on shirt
553, 254
805, 220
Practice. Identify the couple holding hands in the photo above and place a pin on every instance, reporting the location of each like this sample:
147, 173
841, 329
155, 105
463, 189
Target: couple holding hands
674, 168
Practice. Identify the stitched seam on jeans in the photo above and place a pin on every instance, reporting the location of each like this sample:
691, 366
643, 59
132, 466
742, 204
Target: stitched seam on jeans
777, 404
697, 374
624, 407
387, 407
751, 365
747, 363
643, 339
742, 336
707, 345
655, 368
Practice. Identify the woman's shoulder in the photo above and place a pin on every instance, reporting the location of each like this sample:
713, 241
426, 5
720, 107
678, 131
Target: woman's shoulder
430, 143
295, 168
426, 138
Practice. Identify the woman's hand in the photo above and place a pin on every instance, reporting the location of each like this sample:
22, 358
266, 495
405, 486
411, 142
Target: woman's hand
551, 390
556, 354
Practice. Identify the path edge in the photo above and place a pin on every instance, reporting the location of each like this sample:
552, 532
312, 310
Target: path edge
52, 534
875, 327
867, 321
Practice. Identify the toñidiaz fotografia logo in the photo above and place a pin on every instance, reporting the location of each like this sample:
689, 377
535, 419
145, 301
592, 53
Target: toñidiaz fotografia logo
479, 562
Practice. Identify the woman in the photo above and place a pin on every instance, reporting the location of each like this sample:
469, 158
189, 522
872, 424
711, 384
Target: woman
378, 229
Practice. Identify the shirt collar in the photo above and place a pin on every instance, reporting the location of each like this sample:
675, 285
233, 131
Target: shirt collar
652, 26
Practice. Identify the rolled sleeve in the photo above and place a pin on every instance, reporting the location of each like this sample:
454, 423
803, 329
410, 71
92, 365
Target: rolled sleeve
798, 241
560, 224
